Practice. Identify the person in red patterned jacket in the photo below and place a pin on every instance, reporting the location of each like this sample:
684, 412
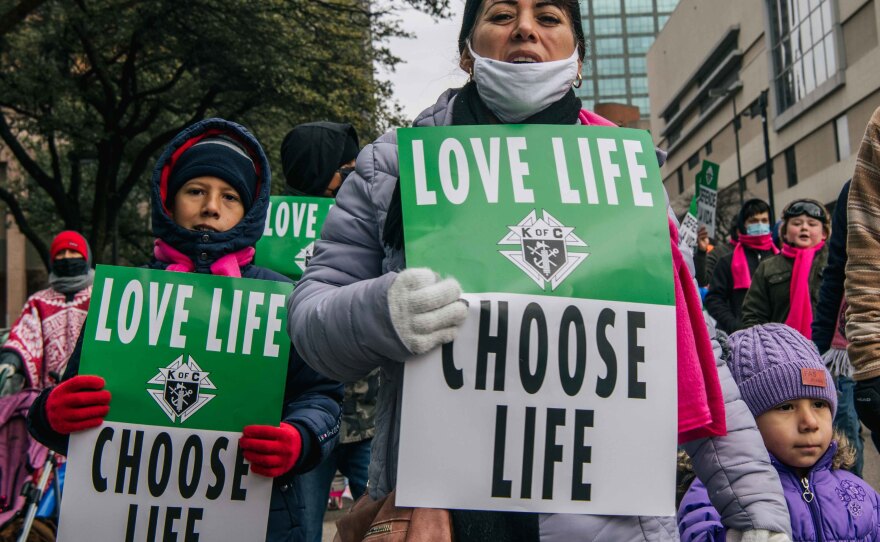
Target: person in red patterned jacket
43, 337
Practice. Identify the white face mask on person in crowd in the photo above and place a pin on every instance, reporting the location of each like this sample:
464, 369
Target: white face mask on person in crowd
515, 92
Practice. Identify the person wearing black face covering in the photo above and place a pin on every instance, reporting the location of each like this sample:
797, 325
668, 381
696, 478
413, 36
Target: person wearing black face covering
41, 340
316, 159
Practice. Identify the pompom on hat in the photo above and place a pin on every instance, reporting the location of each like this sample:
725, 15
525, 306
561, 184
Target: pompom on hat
773, 363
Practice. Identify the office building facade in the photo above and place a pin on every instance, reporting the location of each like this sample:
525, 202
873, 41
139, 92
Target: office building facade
812, 64
619, 34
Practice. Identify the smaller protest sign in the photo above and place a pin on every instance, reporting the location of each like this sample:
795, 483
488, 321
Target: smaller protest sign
189, 359
687, 232
293, 224
707, 196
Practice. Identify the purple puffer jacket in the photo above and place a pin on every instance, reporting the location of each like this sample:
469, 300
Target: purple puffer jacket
843, 507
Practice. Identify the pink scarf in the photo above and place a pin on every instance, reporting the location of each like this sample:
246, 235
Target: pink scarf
800, 315
739, 267
227, 266
700, 401
588, 118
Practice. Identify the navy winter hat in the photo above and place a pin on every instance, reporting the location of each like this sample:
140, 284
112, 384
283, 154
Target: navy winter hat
773, 363
472, 8
312, 152
219, 157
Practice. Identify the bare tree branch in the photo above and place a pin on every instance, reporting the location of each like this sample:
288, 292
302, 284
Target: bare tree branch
17, 14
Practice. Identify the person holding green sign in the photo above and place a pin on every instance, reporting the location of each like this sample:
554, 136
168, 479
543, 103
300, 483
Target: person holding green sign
357, 307
210, 195
316, 158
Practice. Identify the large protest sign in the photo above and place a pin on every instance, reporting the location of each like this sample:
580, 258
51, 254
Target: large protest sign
293, 223
707, 196
559, 392
189, 360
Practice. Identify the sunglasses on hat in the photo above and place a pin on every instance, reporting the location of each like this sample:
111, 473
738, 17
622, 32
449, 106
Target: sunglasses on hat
806, 208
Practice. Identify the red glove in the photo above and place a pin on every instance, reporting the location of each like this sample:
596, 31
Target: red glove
77, 404
272, 451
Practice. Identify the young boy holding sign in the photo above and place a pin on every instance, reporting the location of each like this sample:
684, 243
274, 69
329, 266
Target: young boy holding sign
210, 194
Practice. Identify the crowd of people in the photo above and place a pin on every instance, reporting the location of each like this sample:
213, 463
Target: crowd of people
793, 325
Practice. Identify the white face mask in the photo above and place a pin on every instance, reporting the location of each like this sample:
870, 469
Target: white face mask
515, 92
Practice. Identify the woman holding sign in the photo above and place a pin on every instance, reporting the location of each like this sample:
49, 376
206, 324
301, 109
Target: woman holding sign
210, 196
522, 58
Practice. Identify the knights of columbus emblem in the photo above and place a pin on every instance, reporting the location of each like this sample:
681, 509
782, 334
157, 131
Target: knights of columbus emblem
183, 388
543, 252
303, 257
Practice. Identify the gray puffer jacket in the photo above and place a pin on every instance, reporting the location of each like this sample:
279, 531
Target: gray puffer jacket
340, 322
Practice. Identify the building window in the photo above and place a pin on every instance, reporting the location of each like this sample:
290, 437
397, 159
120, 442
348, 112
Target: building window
694, 160
609, 46
708, 147
638, 85
639, 6
606, 7
638, 66
680, 181
642, 103
761, 173
640, 25
674, 136
611, 66
661, 22
666, 5
604, 26
791, 166
639, 44
611, 85
841, 136
804, 50
585, 7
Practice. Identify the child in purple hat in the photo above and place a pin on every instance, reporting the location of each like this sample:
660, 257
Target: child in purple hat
792, 396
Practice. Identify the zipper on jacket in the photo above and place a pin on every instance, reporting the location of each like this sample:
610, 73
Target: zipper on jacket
810, 499
807, 494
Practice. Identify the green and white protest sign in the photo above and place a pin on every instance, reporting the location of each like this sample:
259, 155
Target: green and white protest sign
707, 196
189, 359
559, 392
293, 223
687, 232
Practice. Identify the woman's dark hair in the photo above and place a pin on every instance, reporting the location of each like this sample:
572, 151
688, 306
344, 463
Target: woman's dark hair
472, 9
749, 209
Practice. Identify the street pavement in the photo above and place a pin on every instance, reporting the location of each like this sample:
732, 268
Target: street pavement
871, 473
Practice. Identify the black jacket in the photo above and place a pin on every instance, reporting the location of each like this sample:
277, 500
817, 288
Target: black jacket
723, 302
831, 291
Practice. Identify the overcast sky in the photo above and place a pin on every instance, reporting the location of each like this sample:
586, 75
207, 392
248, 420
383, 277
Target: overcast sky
430, 60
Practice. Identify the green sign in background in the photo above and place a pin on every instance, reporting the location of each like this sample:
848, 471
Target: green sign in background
250, 388
288, 230
630, 258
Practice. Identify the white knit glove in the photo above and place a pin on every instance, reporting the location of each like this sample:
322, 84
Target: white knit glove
425, 310
756, 535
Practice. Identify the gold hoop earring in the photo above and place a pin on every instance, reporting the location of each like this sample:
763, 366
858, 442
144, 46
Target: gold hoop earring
579, 81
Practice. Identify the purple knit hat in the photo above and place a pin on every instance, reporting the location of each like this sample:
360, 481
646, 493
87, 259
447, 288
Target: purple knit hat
773, 363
